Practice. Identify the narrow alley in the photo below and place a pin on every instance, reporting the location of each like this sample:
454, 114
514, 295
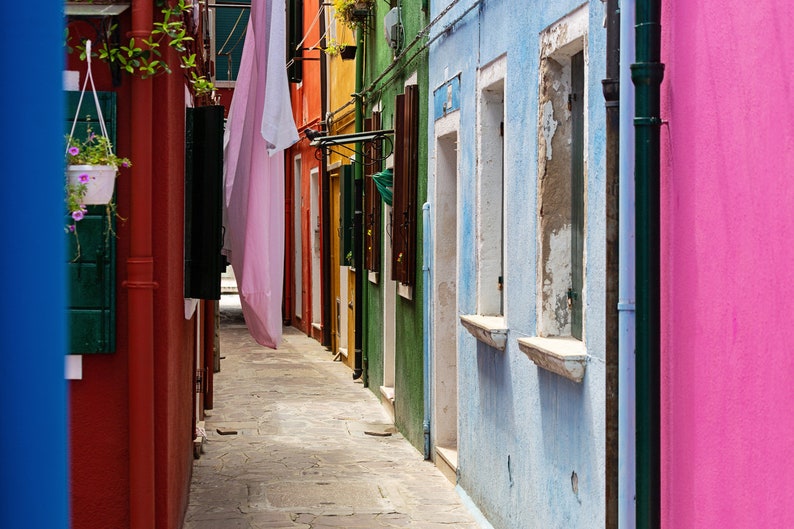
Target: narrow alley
294, 442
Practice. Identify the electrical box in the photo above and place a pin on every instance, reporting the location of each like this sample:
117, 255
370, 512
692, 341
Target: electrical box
393, 28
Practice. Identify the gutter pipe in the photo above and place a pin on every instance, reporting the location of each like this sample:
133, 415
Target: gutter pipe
427, 263
358, 221
626, 319
325, 191
647, 73
140, 297
611, 90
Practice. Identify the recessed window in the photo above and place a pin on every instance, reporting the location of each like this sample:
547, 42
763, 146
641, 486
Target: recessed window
490, 189
562, 178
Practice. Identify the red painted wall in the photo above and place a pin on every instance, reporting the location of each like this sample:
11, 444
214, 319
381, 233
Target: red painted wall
99, 404
175, 337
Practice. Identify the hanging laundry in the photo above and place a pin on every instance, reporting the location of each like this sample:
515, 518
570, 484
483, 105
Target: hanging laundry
260, 126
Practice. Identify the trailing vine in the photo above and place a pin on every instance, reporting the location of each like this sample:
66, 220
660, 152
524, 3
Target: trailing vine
143, 56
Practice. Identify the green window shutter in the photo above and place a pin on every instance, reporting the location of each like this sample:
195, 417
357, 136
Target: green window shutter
347, 210
577, 193
372, 199
203, 202
230, 26
92, 277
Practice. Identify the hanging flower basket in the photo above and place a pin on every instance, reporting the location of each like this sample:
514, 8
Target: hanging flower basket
353, 12
99, 181
348, 52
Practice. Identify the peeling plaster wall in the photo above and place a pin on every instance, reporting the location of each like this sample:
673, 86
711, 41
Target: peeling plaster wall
523, 432
554, 196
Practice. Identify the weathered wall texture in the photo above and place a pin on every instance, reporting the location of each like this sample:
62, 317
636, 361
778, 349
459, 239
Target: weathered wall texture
554, 196
530, 444
408, 361
728, 284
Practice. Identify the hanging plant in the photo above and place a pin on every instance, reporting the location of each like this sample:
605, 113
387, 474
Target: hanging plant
353, 13
91, 164
142, 56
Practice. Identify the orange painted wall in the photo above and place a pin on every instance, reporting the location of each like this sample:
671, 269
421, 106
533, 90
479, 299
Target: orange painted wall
306, 98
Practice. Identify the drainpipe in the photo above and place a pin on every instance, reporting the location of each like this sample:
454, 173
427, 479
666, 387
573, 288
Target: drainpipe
427, 263
611, 91
325, 194
358, 222
626, 387
647, 74
140, 295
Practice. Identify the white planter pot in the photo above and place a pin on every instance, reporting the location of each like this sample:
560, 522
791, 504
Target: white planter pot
101, 181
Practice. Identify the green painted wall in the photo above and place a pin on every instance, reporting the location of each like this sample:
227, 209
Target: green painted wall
409, 369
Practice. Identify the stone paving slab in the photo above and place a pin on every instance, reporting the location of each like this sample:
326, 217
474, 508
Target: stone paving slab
313, 449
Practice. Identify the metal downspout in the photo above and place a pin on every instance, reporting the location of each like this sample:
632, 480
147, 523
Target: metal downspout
427, 263
627, 518
325, 199
611, 90
647, 74
140, 293
358, 222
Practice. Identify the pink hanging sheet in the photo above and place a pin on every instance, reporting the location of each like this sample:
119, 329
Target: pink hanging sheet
260, 126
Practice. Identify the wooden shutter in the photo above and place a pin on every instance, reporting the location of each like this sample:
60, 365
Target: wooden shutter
294, 37
406, 155
203, 202
230, 25
347, 211
92, 278
372, 199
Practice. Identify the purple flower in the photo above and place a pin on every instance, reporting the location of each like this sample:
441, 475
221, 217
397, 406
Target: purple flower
84, 178
125, 164
71, 228
74, 151
78, 215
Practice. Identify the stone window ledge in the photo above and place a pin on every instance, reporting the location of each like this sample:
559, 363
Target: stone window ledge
562, 355
491, 330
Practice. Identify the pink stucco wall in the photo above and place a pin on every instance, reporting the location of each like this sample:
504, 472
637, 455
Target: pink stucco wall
728, 264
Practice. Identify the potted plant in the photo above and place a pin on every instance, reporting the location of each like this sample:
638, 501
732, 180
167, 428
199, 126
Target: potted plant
345, 51
353, 12
91, 169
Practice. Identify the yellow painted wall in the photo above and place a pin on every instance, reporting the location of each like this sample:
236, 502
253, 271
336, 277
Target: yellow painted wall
341, 83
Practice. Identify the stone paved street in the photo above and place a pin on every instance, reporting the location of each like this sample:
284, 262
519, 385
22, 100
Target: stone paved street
312, 450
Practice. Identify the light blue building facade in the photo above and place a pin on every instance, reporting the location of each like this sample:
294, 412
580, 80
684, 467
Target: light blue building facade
516, 214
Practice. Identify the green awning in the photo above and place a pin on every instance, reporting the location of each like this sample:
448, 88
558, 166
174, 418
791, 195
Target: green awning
384, 182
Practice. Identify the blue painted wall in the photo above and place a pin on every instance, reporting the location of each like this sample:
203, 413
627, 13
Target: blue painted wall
523, 431
32, 274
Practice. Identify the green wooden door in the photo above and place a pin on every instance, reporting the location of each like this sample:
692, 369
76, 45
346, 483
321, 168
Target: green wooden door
92, 275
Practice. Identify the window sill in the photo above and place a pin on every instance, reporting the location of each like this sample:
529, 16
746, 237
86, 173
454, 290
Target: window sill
564, 356
405, 291
388, 393
491, 330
